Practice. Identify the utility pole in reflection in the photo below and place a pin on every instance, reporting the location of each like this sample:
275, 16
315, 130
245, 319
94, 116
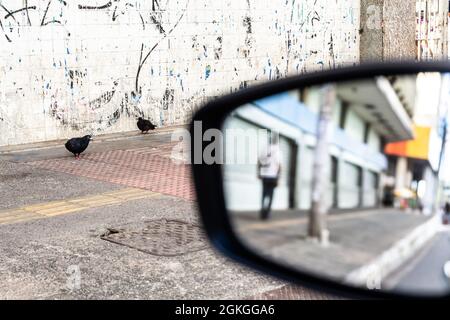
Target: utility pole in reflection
438, 172
317, 228
442, 114
444, 142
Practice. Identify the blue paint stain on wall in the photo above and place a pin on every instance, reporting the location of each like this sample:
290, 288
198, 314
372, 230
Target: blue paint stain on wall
207, 71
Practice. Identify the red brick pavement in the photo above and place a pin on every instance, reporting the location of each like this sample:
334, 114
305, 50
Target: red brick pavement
153, 169
145, 168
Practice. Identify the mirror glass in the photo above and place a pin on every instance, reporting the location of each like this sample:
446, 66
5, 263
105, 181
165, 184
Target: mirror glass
348, 181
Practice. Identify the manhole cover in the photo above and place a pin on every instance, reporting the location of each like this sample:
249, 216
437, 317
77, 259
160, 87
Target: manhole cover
161, 237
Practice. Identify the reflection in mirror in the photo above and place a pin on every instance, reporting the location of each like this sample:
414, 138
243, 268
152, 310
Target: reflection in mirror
347, 181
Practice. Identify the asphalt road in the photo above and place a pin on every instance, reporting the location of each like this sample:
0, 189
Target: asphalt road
424, 274
51, 225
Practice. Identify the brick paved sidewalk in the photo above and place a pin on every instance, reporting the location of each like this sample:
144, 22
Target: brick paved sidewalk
146, 168
151, 168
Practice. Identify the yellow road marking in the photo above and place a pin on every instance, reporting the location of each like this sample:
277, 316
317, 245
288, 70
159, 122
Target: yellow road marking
96, 201
13, 213
20, 219
51, 204
95, 204
132, 194
15, 217
56, 208
60, 210
61, 207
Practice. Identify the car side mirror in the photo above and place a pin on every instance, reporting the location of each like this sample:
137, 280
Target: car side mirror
336, 180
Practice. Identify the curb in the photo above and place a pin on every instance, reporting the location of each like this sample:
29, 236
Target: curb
371, 274
98, 138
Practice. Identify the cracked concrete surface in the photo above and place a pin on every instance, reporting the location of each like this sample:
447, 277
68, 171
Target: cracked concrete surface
38, 257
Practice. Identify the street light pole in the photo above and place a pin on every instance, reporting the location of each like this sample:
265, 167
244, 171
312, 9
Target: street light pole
317, 228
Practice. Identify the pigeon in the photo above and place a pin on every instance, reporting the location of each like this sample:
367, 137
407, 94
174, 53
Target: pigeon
145, 125
78, 145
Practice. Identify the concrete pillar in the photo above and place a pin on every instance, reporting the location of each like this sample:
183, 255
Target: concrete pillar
401, 173
430, 193
371, 33
340, 164
369, 194
317, 227
388, 30
299, 173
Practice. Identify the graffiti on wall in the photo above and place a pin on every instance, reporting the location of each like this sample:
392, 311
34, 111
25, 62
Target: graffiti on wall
94, 66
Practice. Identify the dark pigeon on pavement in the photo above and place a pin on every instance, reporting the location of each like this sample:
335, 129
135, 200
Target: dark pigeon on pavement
145, 125
78, 145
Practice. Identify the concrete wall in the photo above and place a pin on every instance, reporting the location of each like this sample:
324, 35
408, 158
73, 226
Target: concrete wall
388, 30
371, 32
399, 30
432, 29
73, 67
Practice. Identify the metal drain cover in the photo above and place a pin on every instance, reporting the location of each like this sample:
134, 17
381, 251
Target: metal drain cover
161, 237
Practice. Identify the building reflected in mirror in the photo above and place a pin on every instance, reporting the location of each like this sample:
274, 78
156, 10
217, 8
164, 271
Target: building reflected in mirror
329, 178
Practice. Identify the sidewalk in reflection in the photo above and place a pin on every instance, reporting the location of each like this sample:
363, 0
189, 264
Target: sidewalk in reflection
357, 238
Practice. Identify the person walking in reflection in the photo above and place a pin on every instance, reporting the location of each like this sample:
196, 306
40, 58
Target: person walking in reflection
269, 169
